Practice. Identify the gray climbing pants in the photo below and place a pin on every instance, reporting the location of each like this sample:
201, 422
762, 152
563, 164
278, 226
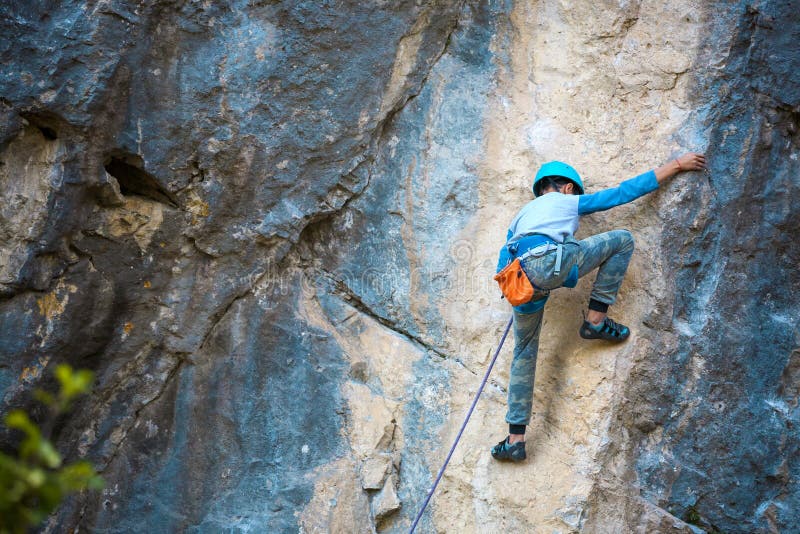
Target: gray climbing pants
610, 254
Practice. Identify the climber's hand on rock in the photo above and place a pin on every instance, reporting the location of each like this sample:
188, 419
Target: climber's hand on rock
692, 161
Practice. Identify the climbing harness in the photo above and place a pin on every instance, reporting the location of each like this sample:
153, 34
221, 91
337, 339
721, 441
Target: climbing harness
514, 283
463, 426
541, 250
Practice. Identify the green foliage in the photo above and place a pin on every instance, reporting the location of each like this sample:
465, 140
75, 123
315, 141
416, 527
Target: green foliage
35, 481
693, 517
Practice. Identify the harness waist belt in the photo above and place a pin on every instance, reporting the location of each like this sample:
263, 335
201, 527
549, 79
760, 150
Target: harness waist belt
538, 245
541, 250
529, 241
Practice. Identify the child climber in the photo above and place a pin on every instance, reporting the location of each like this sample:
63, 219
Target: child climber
541, 236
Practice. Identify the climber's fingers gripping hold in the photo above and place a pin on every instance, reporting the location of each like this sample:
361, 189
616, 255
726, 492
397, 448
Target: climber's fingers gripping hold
692, 161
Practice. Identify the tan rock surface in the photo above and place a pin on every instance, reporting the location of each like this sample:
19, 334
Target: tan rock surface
606, 95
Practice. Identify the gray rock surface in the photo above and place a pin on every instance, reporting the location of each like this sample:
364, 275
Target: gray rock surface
265, 225
724, 397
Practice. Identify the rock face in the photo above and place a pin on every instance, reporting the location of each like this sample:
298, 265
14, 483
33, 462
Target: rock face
270, 228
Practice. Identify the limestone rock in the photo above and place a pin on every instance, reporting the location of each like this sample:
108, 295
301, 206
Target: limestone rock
337, 504
374, 470
270, 229
386, 501
372, 420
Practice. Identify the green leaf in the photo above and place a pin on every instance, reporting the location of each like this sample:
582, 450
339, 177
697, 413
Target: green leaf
50, 494
19, 420
33, 446
35, 481
48, 454
36, 478
16, 491
84, 379
63, 373
96, 483
44, 397
79, 476
73, 383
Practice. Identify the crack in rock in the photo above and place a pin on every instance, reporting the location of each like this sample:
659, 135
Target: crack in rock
136, 415
343, 291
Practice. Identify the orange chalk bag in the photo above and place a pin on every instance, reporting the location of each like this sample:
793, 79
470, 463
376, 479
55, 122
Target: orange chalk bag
514, 284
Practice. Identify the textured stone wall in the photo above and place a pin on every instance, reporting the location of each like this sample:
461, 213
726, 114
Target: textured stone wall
270, 228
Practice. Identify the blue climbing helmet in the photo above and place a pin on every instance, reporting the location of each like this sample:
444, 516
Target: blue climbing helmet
556, 169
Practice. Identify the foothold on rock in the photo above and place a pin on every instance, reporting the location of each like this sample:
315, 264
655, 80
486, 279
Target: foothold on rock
374, 470
386, 502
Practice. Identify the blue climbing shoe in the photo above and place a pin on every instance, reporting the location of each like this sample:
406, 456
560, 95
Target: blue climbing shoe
608, 330
507, 452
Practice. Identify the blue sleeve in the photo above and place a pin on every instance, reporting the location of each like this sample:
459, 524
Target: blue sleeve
505, 255
622, 194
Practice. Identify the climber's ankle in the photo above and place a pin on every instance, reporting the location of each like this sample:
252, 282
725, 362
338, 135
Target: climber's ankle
595, 317
597, 311
515, 433
513, 438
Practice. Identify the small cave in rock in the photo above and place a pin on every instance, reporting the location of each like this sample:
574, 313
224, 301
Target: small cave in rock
47, 123
792, 122
134, 180
48, 133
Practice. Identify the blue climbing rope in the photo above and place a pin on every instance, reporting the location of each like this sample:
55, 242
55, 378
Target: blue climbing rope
463, 426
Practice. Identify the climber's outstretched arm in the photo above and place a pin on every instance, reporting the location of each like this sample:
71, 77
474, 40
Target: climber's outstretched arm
632, 189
